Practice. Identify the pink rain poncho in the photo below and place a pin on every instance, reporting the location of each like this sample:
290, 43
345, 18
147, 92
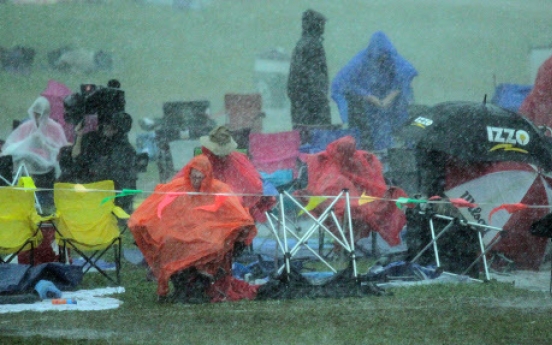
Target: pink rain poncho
36, 143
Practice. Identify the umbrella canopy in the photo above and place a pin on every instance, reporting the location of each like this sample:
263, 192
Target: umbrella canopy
479, 132
490, 185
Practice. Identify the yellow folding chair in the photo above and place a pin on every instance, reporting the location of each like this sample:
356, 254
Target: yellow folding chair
19, 222
87, 221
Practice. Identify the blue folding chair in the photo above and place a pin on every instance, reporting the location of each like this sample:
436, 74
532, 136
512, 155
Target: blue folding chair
320, 138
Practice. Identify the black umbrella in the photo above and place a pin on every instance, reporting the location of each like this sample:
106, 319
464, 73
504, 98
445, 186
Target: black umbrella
480, 132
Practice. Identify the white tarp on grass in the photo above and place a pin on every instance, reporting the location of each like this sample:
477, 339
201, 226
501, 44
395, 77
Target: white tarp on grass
86, 300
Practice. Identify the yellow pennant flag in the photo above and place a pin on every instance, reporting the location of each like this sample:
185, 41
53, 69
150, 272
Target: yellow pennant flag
80, 188
364, 199
313, 202
26, 182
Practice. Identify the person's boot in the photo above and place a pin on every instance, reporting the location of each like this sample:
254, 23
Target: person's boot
197, 289
180, 281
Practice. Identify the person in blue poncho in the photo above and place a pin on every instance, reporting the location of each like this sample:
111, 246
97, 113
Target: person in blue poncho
373, 91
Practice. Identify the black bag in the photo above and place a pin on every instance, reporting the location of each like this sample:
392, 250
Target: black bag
542, 227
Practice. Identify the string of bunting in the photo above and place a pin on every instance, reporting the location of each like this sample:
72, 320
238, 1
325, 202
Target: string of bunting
314, 201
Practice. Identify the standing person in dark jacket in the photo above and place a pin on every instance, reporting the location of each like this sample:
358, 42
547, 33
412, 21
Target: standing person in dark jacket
308, 81
105, 154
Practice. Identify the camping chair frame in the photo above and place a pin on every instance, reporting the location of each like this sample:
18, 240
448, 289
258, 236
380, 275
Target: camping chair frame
480, 228
91, 253
21, 171
91, 260
33, 240
279, 226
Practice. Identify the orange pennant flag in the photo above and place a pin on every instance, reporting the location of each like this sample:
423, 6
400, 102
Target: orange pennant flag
510, 208
459, 202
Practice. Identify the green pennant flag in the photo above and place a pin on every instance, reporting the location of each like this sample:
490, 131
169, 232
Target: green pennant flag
401, 201
124, 192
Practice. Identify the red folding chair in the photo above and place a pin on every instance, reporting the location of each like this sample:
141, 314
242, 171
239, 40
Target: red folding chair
244, 111
275, 151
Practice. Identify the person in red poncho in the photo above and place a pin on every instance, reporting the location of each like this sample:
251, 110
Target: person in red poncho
537, 106
235, 169
342, 166
187, 231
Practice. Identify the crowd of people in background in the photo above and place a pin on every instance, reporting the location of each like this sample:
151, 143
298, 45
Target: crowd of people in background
21, 59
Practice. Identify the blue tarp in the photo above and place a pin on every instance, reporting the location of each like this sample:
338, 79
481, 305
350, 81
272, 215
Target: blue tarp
510, 96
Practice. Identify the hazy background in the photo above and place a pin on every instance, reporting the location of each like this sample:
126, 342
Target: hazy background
459, 47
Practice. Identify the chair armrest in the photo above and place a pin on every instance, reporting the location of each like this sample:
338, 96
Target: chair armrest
120, 213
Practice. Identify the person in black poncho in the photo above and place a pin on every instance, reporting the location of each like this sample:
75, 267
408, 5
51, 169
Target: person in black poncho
105, 154
308, 81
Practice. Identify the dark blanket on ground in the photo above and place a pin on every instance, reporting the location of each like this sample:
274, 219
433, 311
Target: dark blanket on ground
295, 285
21, 279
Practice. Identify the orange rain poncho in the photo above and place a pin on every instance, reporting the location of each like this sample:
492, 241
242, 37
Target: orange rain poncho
239, 173
175, 230
342, 166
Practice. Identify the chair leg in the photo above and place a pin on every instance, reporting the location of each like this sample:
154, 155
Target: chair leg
32, 255
118, 250
91, 259
62, 248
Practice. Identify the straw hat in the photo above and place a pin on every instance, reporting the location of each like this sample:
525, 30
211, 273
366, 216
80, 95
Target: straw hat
219, 141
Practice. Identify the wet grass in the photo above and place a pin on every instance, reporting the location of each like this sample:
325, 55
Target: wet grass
486, 313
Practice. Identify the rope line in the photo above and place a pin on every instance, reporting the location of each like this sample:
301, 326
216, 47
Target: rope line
138, 192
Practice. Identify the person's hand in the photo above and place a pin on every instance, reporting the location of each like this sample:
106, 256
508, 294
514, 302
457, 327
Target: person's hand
386, 103
388, 100
79, 129
374, 100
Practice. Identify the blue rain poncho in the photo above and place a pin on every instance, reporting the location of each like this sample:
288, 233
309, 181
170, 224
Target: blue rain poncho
361, 77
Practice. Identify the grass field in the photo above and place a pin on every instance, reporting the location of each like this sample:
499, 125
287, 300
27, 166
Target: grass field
162, 55
490, 313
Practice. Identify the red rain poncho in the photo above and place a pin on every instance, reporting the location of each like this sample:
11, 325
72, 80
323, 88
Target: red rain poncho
175, 230
340, 167
537, 106
237, 171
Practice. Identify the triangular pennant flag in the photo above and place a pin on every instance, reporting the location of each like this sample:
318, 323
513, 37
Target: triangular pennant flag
510, 208
459, 202
124, 192
219, 200
364, 199
80, 188
313, 202
405, 201
26, 182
